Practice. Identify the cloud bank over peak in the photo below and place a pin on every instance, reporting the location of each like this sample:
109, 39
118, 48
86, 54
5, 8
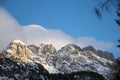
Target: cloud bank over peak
10, 29
86, 41
39, 34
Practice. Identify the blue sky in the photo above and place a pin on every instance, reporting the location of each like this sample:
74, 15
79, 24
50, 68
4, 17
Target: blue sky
73, 17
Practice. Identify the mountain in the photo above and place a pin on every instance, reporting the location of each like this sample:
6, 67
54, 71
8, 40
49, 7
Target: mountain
20, 61
18, 48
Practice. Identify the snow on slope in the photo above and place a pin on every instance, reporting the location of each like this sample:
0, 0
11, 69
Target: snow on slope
68, 59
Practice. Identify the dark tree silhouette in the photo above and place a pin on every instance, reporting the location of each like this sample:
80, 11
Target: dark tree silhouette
105, 5
119, 43
81, 75
117, 74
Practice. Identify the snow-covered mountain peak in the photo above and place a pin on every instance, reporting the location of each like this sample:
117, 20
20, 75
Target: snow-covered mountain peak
17, 41
70, 58
42, 49
18, 48
71, 47
47, 48
33, 48
89, 48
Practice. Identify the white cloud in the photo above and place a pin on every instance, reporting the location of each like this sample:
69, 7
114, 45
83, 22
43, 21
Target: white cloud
10, 29
37, 34
87, 41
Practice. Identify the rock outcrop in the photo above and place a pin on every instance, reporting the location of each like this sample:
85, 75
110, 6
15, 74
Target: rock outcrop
106, 55
18, 48
45, 48
44, 62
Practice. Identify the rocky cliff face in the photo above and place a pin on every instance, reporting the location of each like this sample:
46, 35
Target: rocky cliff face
42, 49
18, 48
105, 54
100, 53
71, 59
44, 62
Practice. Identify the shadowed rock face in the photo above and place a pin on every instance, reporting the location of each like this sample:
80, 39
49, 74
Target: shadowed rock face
42, 49
33, 48
89, 48
106, 55
45, 63
45, 48
103, 54
71, 47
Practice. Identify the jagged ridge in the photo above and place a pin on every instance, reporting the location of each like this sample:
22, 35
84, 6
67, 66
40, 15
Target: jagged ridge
68, 59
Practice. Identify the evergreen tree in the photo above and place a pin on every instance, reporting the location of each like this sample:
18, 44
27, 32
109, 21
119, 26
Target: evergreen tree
107, 5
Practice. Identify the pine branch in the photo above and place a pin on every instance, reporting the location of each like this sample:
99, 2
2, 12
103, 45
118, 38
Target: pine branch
103, 4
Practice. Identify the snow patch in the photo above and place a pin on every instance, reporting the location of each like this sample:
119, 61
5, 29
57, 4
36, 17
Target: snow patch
18, 41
